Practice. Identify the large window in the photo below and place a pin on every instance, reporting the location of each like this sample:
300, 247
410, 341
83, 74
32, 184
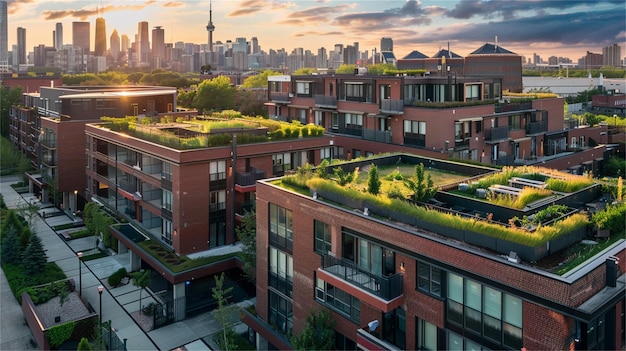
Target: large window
281, 226
167, 200
166, 232
354, 91
303, 88
338, 300
415, 132
217, 170
281, 271
281, 163
426, 336
484, 311
166, 173
217, 200
281, 313
322, 237
429, 278
472, 92
217, 233
369, 256
354, 120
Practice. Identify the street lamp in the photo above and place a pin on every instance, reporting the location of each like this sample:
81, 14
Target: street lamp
100, 289
80, 275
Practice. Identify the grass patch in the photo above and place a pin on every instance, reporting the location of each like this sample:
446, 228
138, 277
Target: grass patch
179, 263
63, 226
18, 280
579, 253
80, 234
93, 256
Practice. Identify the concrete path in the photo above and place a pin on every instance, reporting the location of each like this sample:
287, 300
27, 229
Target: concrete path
117, 303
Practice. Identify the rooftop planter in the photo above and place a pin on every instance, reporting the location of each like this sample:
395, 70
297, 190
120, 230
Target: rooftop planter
546, 238
205, 132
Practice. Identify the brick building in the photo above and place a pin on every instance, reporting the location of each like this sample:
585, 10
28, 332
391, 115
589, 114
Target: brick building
395, 281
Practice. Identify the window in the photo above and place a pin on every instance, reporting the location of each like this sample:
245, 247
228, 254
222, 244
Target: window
369, 256
303, 88
326, 153
462, 130
217, 233
281, 163
217, 201
106, 104
484, 311
415, 132
334, 119
167, 200
338, 300
166, 173
281, 313
322, 237
166, 232
281, 271
582, 141
354, 91
354, 120
429, 278
217, 170
426, 336
478, 126
319, 118
281, 226
515, 122
573, 144
472, 92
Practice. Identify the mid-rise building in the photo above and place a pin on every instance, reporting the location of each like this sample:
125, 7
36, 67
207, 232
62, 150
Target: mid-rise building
612, 56
396, 276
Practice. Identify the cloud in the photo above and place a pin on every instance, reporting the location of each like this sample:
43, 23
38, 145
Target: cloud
507, 9
314, 15
85, 13
173, 4
249, 7
14, 6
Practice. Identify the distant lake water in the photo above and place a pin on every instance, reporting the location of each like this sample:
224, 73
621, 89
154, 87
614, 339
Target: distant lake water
571, 86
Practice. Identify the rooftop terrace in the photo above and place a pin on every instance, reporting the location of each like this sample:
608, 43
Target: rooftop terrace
537, 213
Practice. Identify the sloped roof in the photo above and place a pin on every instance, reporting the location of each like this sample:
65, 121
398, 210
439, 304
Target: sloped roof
414, 55
388, 55
491, 49
446, 53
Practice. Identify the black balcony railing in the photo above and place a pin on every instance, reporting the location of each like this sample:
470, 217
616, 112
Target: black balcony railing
325, 101
387, 288
508, 160
249, 178
279, 96
537, 127
415, 139
392, 106
383, 136
497, 134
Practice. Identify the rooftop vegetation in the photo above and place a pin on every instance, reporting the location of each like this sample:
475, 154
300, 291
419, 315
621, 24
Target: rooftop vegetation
209, 131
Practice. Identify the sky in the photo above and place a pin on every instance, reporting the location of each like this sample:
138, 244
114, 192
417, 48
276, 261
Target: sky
565, 28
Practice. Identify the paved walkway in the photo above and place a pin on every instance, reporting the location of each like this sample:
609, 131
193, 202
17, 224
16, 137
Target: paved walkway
117, 303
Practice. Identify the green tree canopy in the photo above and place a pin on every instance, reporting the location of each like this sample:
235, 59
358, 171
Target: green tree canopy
345, 69
8, 97
214, 94
318, 334
141, 280
247, 235
304, 71
34, 258
260, 80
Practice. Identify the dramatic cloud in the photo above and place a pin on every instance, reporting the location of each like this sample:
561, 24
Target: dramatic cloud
14, 6
85, 13
174, 4
508, 9
314, 15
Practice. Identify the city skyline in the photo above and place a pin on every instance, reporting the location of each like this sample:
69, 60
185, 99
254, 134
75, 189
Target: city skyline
552, 28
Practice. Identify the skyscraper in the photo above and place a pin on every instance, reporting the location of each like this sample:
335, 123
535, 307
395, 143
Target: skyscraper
58, 36
80, 36
143, 42
158, 42
4, 40
386, 44
115, 46
101, 37
611, 55
21, 45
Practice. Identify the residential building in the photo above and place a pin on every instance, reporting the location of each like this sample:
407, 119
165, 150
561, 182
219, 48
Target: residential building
612, 56
49, 127
186, 192
444, 116
394, 281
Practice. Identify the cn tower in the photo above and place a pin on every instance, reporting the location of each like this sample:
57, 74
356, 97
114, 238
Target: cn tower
210, 27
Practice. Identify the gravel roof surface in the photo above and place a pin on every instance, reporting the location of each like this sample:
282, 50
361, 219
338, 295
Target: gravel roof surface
71, 309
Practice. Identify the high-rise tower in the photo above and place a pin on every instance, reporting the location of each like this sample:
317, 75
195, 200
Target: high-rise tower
143, 42
58, 36
115, 46
210, 27
4, 39
101, 37
80, 36
21, 45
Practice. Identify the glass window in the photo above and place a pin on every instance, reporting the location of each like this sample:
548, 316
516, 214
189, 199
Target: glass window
428, 278
217, 170
322, 237
426, 335
455, 287
167, 200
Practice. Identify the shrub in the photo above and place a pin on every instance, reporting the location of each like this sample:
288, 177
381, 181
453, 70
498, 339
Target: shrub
116, 278
612, 218
59, 334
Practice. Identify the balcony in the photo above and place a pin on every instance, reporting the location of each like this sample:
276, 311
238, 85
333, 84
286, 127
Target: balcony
277, 96
324, 101
497, 134
390, 106
534, 128
379, 291
383, 136
246, 181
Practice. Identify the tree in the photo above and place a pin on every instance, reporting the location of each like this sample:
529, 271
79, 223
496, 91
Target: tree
345, 69
83, 345
223, 314
141, 280
260, 80
185, 98
247, 235
318, 334
421, 190
29, 212
248, 103
34, 258
373, 180
380, 68
214, 94
8, 97
304, 71
11, 247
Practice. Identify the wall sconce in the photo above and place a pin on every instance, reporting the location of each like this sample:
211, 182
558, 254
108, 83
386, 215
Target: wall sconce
402, 267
